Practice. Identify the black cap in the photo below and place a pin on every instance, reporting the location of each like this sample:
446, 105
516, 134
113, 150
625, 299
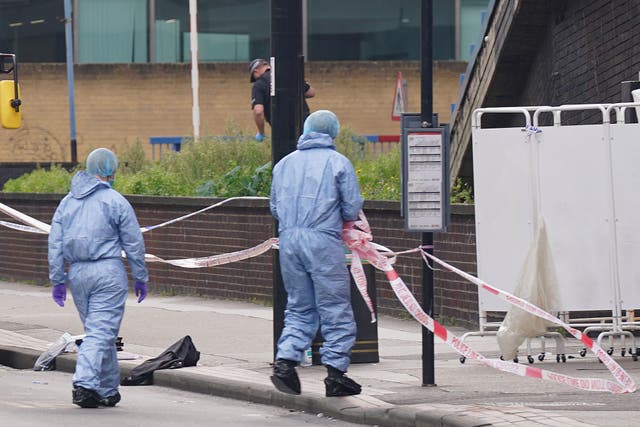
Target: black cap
253, 65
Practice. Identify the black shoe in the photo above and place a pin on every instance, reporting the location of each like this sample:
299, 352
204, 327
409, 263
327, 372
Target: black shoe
111, 400
285, 377
336, 384
85, 398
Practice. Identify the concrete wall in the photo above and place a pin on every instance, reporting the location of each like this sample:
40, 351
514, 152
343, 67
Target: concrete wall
243, 224
119, 103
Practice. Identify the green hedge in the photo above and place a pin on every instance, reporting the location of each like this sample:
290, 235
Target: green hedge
234, 165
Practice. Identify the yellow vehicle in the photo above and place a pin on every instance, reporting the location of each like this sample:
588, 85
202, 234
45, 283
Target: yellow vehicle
10, 115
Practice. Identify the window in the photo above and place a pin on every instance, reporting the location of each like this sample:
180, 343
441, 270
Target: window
363, 30
125, 31
444, 29
33, 30
112, 31
472, 14
227, 30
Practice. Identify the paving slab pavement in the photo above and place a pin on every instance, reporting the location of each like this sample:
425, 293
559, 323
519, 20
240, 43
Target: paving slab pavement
236, 345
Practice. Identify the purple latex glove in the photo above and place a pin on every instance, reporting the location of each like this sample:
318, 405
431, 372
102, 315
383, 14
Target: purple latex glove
140, 289
59, 294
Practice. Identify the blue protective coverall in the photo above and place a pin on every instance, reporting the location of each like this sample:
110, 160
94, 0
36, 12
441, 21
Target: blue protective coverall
313, 191
91, 227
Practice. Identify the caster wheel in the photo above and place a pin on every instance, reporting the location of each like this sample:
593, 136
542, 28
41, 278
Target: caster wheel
583, 352
557, 358
530, 359
462, 359
515, 360
610, 351
623, 352
563, 358
541, 357
501, 358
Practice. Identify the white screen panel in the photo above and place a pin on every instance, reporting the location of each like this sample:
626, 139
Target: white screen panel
503, 207
626, 177
575, 195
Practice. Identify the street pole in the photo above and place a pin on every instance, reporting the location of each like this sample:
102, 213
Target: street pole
68, 38
195, 76
287, 76
426, 116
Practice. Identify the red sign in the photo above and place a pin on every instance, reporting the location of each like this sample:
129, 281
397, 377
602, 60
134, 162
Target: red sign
399, 99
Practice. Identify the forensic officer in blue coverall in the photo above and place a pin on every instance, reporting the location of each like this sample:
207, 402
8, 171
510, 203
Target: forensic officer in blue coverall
313, 191
91, 227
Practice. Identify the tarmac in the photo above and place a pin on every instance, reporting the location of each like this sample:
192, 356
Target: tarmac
236, 344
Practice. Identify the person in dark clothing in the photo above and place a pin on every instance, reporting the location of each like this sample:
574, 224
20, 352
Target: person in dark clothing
260, 76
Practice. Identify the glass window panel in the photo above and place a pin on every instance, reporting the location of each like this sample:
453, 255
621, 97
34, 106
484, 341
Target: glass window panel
167, 40
444, 29
218, 47
471, 24
372, 30
228, 30
112, 31
363, 30
33, 30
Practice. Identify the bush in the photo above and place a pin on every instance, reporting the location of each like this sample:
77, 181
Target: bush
133, 159
461, 192
379, 178
229, 166
232, 165
57, 180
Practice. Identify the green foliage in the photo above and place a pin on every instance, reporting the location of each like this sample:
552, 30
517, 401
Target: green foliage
56, 180
378, 174
228, 166
234, 165
153, 181
461, 192
133, 158
239, 181
379, 178
353, 146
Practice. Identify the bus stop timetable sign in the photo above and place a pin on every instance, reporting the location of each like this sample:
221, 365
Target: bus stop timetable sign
425, 179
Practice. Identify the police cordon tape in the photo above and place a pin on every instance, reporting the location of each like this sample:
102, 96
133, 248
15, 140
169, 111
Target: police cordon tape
358, 238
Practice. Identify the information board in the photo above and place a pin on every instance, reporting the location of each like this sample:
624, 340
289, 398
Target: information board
425, 184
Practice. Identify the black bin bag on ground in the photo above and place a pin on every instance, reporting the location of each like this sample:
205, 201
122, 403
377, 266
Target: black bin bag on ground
181, 354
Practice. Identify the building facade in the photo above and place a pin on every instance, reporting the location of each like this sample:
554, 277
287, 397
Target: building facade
158, 31
133, 78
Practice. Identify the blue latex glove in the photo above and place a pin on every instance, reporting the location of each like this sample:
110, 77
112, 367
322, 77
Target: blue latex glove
59, 294
140, 289
259, 137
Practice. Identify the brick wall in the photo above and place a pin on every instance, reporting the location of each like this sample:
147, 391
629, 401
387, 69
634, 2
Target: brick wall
119, 103
242, 224
548, 52
588, 49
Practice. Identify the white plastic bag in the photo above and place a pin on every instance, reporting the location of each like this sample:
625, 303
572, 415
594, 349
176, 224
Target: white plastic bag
44, 362
538, 285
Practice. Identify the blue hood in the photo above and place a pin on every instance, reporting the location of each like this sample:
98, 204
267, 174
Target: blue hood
315, 187
84, 184
315, 140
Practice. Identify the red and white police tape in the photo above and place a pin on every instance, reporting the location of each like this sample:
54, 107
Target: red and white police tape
358, 238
